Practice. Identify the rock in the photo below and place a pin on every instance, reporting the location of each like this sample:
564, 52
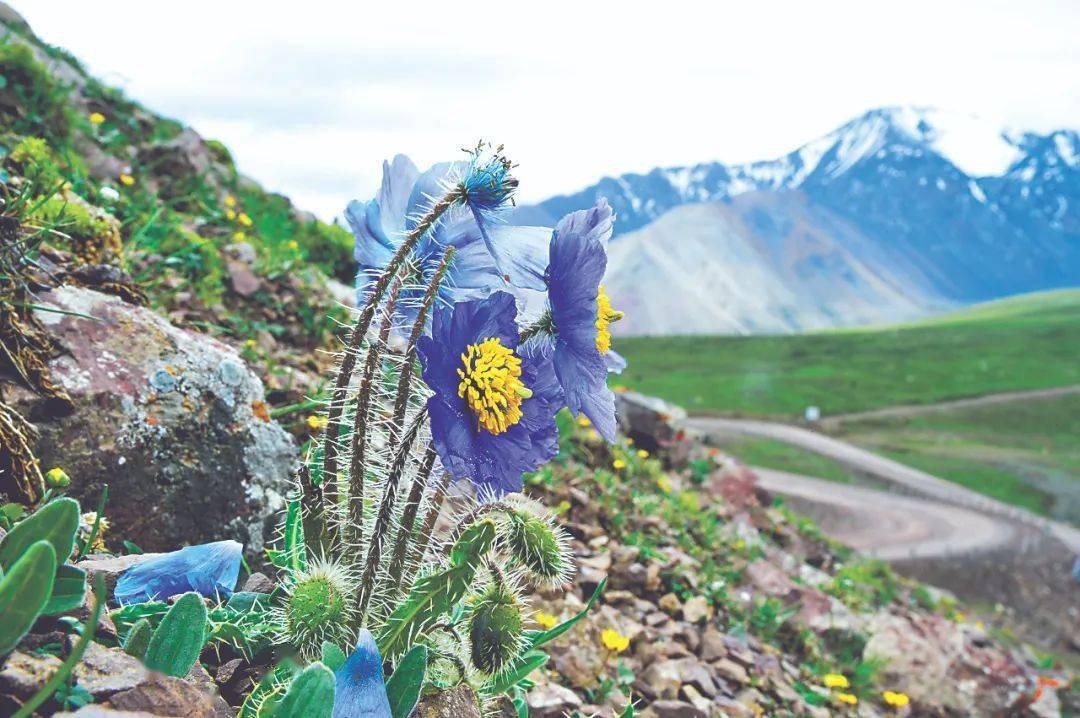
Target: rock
673, 709
731, 671
258, 583
694, 673
111, 567
697, 609
165, 696
183, 160
242, 280
918, 658
23, 674
551, 701
712, 645
198, 677
105, 671
241, 252
768, 579
660, 679
93, 711
653, 424
172, 420
669, 603
458, 702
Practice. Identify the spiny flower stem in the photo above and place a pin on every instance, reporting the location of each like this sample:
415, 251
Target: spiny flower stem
408, 519
359, 332
363, 408
404, 387
419, 548
386, 509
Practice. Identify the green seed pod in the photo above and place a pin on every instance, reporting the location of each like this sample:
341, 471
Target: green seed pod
539, 546
57, 478
316, 608
495, 629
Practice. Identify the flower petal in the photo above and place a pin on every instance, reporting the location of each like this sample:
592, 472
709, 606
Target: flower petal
208, 569
360, 690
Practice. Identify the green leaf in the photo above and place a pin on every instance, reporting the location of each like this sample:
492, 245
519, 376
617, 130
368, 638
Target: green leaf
69, 590
131, 547
332, 656
138, 638
438, 593
55, 522
310, 695
261, 700
629, 712
539, 638
244, 601
295, 548
517, 673
179, 638
24, 591
86, 545
403, 688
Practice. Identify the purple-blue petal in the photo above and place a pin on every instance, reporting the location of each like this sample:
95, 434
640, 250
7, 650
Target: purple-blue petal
359, 688
209, 569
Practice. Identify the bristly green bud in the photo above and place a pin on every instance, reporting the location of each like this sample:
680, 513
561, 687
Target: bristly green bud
495, 628
539, 546
317, 607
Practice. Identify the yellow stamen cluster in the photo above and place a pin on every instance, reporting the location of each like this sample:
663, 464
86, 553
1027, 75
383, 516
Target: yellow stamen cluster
605, 315
491, 385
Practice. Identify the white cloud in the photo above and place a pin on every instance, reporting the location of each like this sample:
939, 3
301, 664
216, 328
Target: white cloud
312, 96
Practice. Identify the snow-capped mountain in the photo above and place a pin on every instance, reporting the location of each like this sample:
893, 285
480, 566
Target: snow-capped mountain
936, 208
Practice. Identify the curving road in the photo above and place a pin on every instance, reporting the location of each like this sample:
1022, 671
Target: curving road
965, 523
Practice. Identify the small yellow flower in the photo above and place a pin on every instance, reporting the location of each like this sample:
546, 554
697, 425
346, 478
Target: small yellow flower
958, 617
249, 343
980, 625
230, 214
739, 546
57, 478
583, 420
244, 219
316, 422
126, 179
664, 484
642, 454
614, 641
848, 698
546, 620
619, 464
835, 680
896, 700
96, 118
592, 435
293, 245
629, 441
230, 201
239, 236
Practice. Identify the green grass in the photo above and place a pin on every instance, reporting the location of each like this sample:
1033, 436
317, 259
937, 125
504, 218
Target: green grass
1026, 453
1027, 342
773, 454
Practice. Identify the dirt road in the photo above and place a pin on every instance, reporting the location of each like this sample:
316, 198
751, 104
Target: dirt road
880, 468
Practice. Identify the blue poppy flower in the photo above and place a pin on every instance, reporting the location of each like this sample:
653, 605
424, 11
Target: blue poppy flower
209, 569
579, 341
489, 253
359, 688
493, 409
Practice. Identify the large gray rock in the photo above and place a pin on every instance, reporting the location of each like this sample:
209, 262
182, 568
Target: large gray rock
172, 420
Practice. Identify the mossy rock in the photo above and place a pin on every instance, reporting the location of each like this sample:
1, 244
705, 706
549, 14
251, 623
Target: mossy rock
31, 101
94, 234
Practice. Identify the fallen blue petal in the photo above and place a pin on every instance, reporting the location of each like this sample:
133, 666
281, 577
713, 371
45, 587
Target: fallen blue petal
360, 691
209, 569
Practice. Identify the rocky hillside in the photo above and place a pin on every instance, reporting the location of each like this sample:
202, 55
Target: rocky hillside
161, 319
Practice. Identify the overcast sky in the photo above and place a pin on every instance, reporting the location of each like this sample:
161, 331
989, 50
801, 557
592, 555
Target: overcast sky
312, 96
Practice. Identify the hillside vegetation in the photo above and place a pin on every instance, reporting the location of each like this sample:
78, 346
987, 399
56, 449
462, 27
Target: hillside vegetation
1026, 342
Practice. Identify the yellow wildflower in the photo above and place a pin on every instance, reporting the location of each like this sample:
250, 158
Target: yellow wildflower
230, 201
619, 464
316, 422
642, 454
664, 484
958, 617
592, 435
230, 214
244, 219
238, 236
835, 680
629, 441
896, 700
250, 343
293, 245
57, 478
614, 641
126, 179
583, 420
546, 620
848, 698
96, 118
